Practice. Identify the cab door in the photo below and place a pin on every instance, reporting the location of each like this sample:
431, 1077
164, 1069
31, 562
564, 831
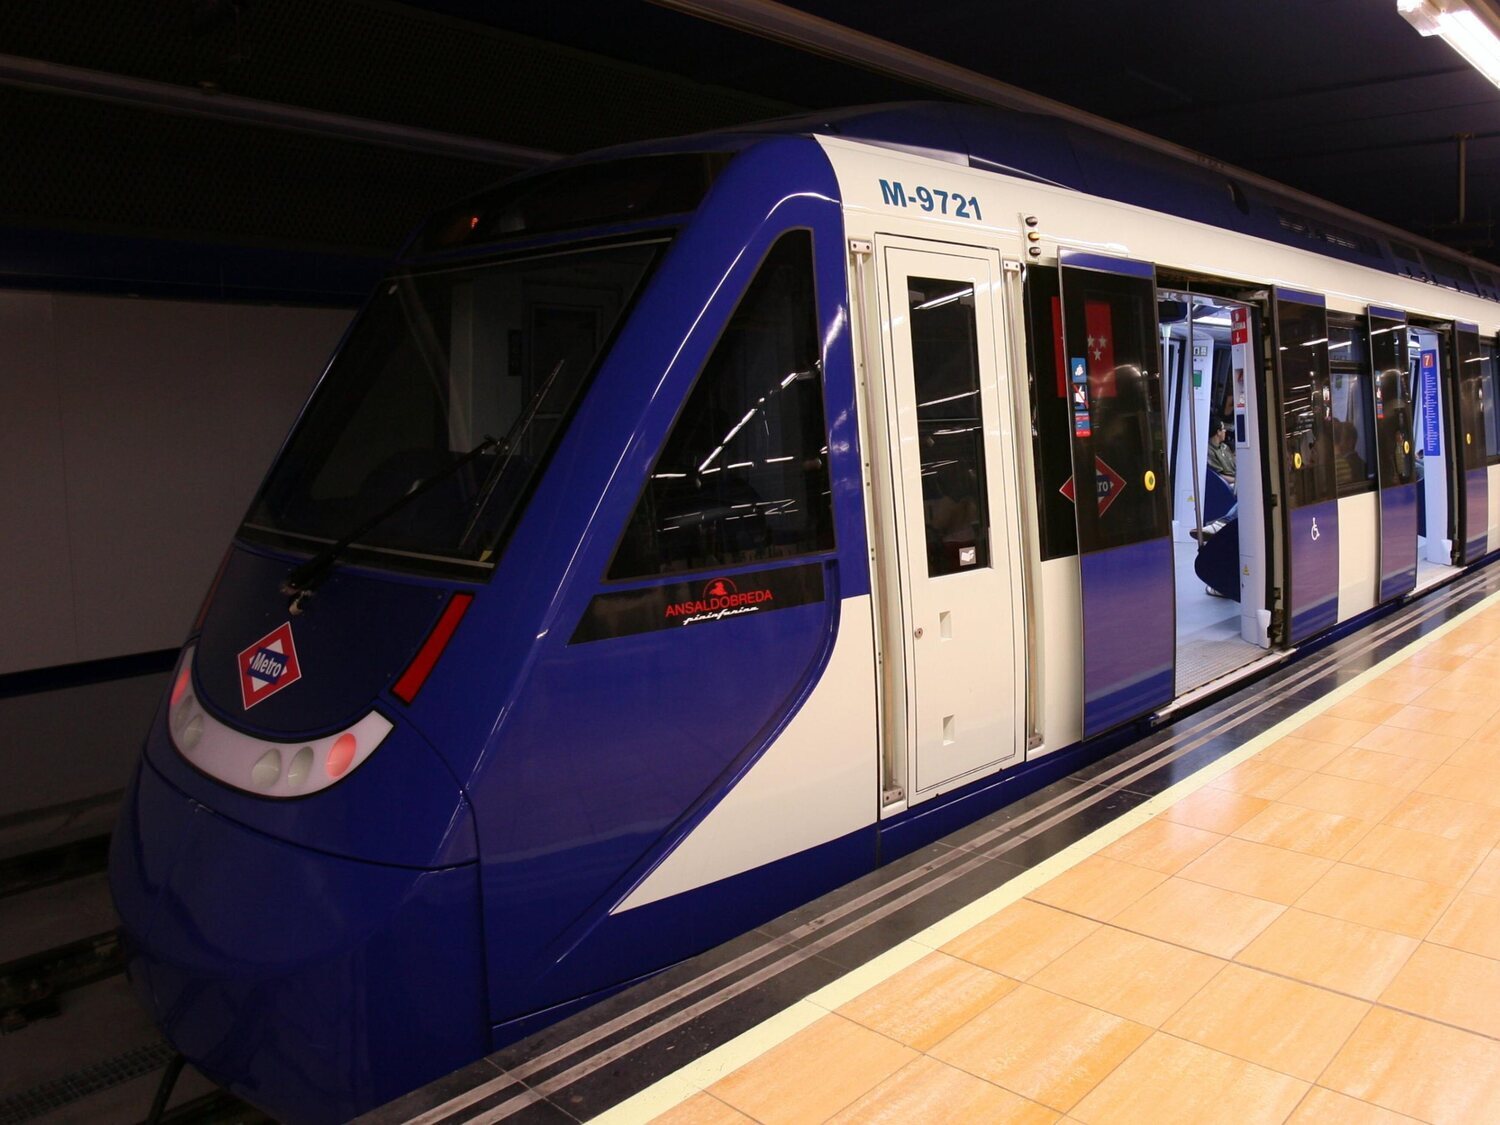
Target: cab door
959, 634
1395, 457
1121, 494
1309, 474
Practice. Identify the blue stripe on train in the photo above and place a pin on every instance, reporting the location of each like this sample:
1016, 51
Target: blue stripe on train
1129, 632
1313, 569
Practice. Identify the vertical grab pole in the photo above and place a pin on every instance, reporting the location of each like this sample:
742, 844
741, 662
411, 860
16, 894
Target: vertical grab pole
1191, 359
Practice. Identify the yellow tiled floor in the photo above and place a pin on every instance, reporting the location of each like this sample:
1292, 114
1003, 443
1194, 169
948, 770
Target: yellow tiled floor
1312, 936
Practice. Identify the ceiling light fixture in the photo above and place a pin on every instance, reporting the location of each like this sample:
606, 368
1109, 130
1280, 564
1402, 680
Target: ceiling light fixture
1470, 27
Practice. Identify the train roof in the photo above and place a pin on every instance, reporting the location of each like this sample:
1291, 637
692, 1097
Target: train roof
1052, 150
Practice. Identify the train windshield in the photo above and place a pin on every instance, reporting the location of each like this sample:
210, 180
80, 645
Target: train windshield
494, 357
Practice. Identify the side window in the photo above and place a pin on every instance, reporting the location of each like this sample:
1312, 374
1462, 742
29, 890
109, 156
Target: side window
743, 476
1490, 381
1051, 411
1352, 405
1302, 344
1472, 396
1395, 436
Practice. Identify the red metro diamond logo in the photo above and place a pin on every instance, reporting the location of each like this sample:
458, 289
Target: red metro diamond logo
268, 665
1109, 483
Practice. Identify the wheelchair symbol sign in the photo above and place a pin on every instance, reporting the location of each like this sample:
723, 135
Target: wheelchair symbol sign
1316, 534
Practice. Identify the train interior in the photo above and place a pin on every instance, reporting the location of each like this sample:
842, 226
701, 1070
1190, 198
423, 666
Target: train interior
1207, 447
1427, 358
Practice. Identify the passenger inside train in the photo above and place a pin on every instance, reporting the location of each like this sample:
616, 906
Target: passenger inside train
1206, 393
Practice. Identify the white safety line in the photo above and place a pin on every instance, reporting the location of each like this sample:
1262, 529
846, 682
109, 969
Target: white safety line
677, 1087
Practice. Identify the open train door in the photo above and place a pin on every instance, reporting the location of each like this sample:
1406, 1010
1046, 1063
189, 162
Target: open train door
1395, 453
1121, 494
1309, 475
1471, 541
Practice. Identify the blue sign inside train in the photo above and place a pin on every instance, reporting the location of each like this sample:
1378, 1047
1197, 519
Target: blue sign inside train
1431, 439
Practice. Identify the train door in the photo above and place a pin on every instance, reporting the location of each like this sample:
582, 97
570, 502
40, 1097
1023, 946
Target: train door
1428, 351
1309, 475
1215, 464
953, 650
1489, 367
1471, 459
1124, 519
1395, 452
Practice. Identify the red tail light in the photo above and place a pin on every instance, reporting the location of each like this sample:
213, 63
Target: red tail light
420, 668
184, 679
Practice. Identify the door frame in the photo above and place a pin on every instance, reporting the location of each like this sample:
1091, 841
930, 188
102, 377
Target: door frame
891, 550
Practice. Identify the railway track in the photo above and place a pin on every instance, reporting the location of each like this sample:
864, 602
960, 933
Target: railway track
94, 1071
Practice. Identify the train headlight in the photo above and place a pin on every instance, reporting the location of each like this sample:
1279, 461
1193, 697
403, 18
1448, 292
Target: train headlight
260, 766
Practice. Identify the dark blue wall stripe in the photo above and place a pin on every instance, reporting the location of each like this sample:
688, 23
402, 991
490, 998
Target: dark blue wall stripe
87, 672
67, 261
1388, 314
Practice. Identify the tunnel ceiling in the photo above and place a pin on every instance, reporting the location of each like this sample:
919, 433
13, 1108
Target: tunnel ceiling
1340, 98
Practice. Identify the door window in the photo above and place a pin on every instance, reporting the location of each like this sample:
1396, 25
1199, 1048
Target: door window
1302, 343
1051, 412
1472, 404
1490, 381
950, 430
1115, 384
1351, 405
1395, 437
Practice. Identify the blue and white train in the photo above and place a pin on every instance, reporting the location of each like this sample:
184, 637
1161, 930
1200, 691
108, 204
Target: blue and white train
684, 530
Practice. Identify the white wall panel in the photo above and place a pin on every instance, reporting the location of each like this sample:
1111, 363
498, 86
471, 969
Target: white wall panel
170, 413
36, 608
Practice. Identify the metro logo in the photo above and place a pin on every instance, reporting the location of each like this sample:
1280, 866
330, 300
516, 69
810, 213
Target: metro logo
268, 665
1108, 483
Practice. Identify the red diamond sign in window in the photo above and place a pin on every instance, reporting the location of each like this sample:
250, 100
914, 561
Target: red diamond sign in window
1109, 482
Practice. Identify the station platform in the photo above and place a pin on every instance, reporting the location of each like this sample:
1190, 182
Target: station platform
1282, 907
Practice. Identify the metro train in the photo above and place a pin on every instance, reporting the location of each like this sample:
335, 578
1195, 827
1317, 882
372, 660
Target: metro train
683, 530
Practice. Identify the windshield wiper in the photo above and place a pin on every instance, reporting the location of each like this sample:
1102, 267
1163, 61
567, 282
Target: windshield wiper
303, 580
517, 428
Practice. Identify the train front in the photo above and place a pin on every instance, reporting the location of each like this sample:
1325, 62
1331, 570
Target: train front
318, 870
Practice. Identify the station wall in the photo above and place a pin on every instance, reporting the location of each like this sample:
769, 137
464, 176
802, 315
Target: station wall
133, 432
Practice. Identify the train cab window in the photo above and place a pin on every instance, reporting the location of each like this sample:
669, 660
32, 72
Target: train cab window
743, 476
1351, 404
945, 370
1051, 411
446, 402
1302, 347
